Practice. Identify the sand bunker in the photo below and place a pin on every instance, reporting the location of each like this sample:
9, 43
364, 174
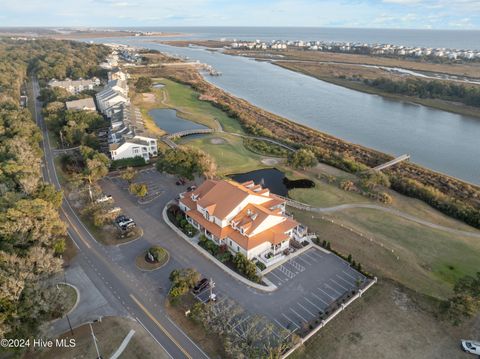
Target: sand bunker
217, 141
270, 161
149, 97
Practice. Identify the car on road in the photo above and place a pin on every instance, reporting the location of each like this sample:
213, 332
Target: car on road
104, 198
191, 188
201, 285
471, 346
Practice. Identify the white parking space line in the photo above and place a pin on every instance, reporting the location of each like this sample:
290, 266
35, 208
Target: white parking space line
311, 257
321, 290
280, 279
330, 287
349, 275
286, 271
305, 309
298, 315
296, 265
280, 324
336, 283
320, 299
343, 280
291, 321
316, 254
316, 306
304, 260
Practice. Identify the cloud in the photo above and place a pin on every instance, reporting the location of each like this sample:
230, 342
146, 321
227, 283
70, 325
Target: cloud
347, 13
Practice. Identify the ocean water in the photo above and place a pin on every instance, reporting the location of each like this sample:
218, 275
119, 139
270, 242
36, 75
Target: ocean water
454, 39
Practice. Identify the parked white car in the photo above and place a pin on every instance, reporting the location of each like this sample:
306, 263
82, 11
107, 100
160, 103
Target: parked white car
471, 346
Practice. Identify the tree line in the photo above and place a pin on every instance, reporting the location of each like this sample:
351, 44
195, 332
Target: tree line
32, 235
450, 91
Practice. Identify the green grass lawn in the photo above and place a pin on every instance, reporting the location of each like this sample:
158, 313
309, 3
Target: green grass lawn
325, 195
185, 100
423, 259
230, 155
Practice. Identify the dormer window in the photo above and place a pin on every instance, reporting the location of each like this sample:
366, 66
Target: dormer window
194, 197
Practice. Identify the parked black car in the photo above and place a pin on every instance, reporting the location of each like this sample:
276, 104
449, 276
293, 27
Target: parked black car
203, 284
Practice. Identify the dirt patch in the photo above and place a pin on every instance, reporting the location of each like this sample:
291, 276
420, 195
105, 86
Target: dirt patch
149, 97
217, 141
388, 322
270, 161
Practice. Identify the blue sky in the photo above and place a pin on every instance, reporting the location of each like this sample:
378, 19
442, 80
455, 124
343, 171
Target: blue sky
434, 14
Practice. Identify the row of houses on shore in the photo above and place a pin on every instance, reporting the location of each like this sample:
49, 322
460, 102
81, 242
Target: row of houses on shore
360, 48
127, 136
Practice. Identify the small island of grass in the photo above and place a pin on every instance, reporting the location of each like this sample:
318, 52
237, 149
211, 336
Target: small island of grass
153, 258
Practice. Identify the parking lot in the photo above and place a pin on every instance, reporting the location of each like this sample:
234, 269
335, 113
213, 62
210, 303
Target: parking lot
150, 178
309, 284
319, 279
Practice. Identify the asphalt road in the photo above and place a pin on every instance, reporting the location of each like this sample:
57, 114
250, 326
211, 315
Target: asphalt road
115, 283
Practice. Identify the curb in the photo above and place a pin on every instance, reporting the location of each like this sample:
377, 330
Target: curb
268, 288
78, 297
151, 270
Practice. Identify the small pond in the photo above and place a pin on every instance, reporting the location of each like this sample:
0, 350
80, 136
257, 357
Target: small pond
168, 121
273, 179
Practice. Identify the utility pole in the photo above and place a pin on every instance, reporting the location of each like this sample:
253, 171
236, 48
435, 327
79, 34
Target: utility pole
212, 285
61, 139
95, 342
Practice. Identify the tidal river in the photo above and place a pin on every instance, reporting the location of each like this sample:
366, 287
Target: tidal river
439, 140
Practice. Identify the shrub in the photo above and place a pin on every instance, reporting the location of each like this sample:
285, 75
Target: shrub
129, 174
59, 247
128, 162
143, 84
246, 267
182, 281
260, 265
138, 189
224, 257
158, 253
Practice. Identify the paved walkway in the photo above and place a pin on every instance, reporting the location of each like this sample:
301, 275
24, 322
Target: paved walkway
393, 211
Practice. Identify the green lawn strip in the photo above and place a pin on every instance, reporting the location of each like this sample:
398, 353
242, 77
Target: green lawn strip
326, 195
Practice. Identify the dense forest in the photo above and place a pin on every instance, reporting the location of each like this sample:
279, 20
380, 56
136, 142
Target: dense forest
450, 91
32, 235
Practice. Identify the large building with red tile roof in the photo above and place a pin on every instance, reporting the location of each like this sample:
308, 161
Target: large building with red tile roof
244, 216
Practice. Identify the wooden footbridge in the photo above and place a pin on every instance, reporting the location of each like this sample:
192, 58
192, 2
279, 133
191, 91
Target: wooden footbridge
392, 162
168, 138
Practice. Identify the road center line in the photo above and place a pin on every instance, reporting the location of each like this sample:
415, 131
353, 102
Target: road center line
150, 315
